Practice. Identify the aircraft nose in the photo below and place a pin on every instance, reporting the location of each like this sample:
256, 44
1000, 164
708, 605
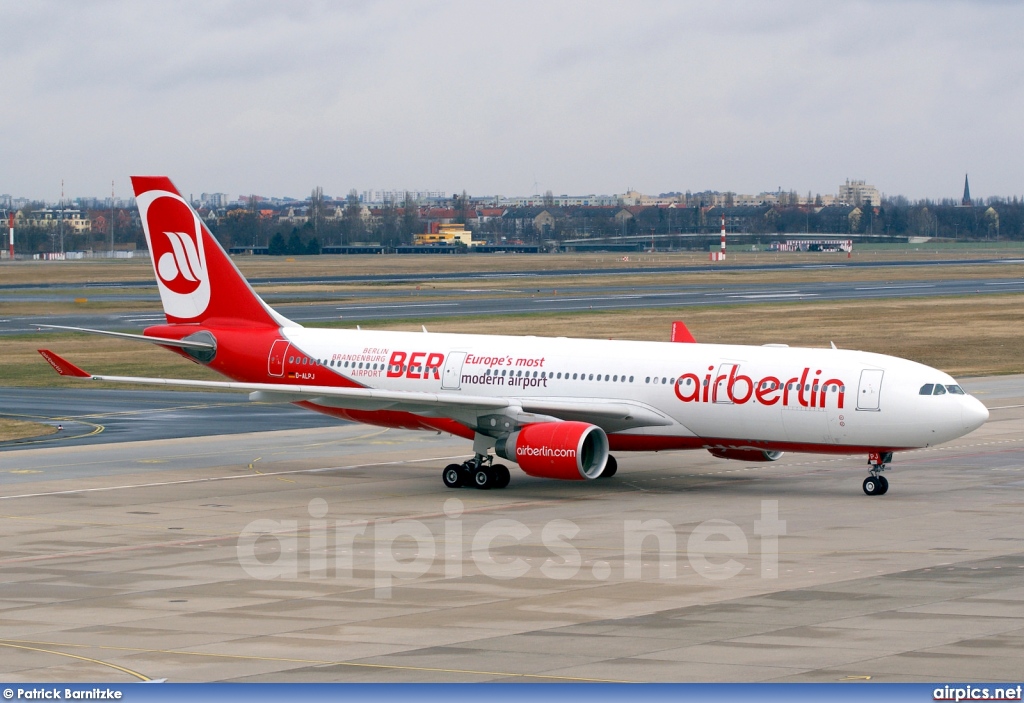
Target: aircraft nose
973, 413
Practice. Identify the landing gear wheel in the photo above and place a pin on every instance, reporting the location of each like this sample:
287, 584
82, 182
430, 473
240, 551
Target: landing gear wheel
873, 485
610, 468
452, 475
483, 478
883, 484
502, 477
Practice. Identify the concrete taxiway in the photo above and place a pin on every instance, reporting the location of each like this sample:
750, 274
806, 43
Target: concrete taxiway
335, 554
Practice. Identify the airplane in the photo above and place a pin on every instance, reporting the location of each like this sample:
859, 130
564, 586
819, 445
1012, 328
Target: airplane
557, 406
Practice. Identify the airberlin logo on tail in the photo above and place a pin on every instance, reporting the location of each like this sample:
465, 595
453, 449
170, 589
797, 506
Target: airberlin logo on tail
175, 235
180, 268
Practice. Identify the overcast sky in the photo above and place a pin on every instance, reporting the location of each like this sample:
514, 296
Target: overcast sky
512, 98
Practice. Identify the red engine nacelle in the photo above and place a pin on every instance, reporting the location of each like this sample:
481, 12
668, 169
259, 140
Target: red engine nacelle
745, 454
570, 451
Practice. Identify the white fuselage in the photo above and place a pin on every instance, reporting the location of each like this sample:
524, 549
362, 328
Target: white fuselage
827, 400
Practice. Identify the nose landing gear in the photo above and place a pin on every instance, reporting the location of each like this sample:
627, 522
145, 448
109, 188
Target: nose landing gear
479, 472
876, 484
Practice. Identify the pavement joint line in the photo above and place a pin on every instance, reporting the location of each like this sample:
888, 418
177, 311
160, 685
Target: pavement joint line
298, 445
314, 662
130, 672
210, 479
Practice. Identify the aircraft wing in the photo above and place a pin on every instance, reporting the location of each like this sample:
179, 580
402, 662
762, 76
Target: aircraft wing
612, 416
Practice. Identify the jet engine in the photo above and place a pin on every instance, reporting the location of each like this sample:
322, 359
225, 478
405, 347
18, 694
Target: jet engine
570, 451
745, 454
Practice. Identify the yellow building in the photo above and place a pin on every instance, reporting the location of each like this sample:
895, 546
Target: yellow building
52, 219
446, 234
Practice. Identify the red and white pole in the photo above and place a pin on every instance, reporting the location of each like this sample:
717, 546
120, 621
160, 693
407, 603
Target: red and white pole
722, 256
10, 222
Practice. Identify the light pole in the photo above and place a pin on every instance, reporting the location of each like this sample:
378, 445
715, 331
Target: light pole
60, 221
111, 219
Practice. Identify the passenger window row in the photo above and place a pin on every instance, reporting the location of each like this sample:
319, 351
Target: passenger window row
765, 385
614, 378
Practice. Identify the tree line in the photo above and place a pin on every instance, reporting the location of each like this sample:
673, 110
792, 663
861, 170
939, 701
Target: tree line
394, 224
326, 224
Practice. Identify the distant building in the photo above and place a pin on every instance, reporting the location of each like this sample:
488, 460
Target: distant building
558, 201
52, 219
214, 200
445, 234
398, 196
859, 193
294, 216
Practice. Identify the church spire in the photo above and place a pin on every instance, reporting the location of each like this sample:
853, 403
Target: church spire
966, 202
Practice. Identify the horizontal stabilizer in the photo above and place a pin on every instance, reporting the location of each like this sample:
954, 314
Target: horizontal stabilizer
163, 341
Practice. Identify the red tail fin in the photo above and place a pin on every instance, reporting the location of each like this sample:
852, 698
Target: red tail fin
197, 280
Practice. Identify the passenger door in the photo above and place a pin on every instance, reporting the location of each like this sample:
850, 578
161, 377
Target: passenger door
869, 392
278, 353
451, 377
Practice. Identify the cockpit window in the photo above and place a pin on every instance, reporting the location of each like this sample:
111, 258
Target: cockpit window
926, 389
939, 389
955, 390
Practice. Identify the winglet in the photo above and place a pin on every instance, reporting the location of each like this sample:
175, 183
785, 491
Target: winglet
681, 334
63, 366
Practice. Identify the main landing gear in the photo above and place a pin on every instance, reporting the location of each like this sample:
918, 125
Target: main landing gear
610, 468
479, 472
876, 484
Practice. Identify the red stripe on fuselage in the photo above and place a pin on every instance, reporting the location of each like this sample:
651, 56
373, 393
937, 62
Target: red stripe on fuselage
657, 443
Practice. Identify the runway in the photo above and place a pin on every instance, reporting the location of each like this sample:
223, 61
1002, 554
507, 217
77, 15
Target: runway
239, 557
578, 299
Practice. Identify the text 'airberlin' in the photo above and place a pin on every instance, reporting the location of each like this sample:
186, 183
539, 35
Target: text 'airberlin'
732, 387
